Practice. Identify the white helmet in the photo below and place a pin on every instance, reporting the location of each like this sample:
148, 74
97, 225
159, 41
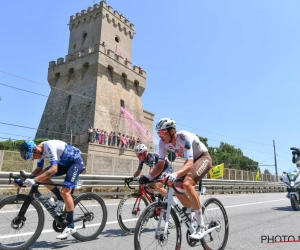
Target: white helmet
165, 123
141, 148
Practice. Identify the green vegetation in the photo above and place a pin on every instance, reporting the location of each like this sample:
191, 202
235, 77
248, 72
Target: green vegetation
231, 157
12, 161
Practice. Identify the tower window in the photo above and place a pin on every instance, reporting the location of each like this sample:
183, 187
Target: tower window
84, 35
117, 39
74, 46
122, 103
68, 102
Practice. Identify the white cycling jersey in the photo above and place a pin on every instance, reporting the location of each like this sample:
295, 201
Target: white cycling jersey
58, 152
193, 147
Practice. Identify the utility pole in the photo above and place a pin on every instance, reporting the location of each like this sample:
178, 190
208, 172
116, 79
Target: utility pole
275, 161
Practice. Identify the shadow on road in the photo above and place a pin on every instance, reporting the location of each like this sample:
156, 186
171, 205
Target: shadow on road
287, 209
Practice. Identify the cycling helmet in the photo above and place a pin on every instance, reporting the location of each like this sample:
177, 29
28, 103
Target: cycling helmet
165, 123
26, 149
141, 148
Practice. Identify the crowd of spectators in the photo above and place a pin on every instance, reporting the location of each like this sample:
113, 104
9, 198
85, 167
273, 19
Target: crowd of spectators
114, 139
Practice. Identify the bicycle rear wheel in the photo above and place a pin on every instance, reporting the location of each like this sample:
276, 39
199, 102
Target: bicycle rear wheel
19, 233
215, 214
90, 216
129, 210
145, 236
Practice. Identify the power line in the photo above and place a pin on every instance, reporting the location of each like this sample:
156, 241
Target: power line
14, 134
144, 123
23, 90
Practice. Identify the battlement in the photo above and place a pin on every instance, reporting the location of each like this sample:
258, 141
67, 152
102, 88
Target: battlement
104, 11
70, 61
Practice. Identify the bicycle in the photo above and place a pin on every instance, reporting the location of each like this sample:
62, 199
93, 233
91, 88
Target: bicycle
22, 216
130, 207
151, 234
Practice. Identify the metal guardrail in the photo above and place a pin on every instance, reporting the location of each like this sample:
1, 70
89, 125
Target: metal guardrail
212, 185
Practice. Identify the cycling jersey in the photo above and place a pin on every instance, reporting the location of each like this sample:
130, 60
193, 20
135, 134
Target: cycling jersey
193, 147
151, 160
58, 152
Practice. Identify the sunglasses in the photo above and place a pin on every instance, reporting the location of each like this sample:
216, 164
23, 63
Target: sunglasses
139, 155
162, 132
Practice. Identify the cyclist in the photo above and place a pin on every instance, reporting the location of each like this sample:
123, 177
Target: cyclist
197, 163
151, 159
64, 160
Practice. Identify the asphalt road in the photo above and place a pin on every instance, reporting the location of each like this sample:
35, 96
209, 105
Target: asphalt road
253, 219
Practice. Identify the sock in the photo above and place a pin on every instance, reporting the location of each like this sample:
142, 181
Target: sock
70, 218
56, 192
199, 217
189, 210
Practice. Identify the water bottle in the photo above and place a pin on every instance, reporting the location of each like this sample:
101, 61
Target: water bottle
52, 202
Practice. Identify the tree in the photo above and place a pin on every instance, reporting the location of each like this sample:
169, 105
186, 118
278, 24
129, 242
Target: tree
229, 155
15, 145
267, 171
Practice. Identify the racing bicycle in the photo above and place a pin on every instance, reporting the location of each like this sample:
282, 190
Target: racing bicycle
131, 205
22, 217
157, 234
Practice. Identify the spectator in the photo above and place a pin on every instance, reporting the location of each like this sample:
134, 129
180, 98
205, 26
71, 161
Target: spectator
110, 138
101, 139
105, 138
114, 138
118, 139
123, 141
127, 141
97, 136
138, 141
132, 143
90, 134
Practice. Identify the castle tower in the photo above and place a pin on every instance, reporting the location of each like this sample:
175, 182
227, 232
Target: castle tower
94, 80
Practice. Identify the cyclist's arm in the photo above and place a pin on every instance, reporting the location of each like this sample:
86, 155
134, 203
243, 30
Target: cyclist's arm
188, 165
137, 173
157, 169
47, 174
37, 171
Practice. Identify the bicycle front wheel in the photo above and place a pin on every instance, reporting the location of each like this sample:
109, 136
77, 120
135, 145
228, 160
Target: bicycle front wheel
214, 215
129, 210
19, 233
150, 235
90, 216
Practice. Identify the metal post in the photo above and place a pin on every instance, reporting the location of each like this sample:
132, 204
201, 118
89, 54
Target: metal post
71, 138
275, 161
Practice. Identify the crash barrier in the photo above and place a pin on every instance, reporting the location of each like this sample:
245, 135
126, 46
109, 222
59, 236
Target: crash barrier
213, 186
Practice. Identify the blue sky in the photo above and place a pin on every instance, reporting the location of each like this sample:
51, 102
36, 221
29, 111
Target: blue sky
226, 70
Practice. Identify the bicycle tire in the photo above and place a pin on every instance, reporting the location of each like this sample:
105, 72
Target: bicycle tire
213, 204
82, 202
144, 236
34, 211
120, 212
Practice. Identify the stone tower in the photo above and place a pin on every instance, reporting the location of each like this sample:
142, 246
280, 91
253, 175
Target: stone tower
95, 79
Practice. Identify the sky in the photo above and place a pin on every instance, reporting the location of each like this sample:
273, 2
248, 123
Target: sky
225, 70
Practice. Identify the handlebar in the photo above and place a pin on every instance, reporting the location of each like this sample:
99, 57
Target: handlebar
22, 176
127, 182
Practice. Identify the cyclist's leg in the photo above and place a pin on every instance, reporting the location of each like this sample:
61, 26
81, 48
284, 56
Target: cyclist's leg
53, 189
71, 177
201, 166
151, 191
159, 186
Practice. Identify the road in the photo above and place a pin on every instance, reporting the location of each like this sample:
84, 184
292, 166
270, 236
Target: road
253, 218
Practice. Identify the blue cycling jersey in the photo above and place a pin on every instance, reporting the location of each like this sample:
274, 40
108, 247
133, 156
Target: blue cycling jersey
58, 152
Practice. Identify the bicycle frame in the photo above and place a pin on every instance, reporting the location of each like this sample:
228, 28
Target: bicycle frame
171, 202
